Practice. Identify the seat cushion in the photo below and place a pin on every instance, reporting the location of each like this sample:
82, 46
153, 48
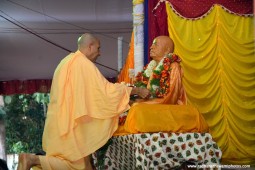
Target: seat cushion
143, 118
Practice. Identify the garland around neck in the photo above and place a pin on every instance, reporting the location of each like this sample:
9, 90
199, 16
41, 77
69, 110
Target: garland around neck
158, 76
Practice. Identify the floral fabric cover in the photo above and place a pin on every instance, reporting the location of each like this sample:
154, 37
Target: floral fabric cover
160, 151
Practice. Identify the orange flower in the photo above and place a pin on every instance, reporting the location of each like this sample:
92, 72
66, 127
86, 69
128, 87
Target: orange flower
164, 73
166, 67
163, 78
155, 76
145, 82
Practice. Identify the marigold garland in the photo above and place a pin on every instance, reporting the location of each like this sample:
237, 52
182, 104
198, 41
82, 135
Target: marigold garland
160, 81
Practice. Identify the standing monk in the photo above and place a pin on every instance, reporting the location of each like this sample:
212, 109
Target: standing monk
83, 111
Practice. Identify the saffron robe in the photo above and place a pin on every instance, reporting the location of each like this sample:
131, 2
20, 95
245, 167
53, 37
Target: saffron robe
168, 114
153, 118
83, 111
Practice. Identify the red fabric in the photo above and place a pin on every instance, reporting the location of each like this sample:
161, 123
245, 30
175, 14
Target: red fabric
156, 21
24, 87
30, 86
195, 9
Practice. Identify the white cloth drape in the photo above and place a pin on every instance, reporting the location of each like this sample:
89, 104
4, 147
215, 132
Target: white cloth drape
138, 20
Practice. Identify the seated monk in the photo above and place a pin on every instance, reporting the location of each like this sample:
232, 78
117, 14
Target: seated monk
167, 108
163, 75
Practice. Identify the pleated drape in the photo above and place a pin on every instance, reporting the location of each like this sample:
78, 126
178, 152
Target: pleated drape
218, 59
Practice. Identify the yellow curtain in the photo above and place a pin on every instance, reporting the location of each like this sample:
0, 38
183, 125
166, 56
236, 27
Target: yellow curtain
218, 59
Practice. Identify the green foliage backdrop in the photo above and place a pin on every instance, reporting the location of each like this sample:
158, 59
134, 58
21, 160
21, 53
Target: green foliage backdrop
24, 120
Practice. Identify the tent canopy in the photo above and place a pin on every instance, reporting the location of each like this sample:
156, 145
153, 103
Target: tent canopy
36, 35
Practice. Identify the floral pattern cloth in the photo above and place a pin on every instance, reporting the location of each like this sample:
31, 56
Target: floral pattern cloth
160, 151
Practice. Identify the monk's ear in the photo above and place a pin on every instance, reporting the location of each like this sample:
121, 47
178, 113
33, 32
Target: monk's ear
90, 44
170, 49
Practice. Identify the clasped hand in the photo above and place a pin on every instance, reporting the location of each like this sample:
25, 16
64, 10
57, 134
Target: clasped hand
143, 93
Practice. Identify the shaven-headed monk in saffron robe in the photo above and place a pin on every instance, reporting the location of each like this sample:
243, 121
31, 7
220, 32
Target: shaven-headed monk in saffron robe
163, 75
167, 109
83, 111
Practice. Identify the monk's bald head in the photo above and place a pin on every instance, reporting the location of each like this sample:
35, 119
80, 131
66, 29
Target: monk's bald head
166, 42
161, 46
89, 45
85, 40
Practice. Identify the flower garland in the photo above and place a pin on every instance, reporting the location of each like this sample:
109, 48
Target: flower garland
160, 80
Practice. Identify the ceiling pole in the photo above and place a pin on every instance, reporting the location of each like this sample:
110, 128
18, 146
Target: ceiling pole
120, 53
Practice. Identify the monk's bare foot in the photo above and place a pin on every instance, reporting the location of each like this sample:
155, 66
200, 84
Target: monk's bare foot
25, 161
88, 163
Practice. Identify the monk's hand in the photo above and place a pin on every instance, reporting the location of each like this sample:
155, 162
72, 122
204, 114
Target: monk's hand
143, 93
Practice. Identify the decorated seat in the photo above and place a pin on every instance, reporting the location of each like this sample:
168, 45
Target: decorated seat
159, 136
